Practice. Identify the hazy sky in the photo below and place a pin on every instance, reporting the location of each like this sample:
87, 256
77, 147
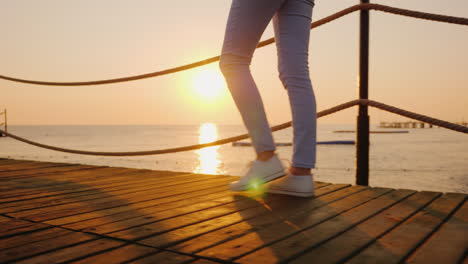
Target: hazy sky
415, 64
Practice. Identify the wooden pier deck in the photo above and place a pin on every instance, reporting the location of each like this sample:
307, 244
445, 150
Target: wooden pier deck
69, 213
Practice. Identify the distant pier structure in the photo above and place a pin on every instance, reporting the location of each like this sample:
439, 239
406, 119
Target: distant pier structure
411, 124
406, 124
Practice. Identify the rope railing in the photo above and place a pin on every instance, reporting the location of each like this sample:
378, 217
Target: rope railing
366, 6
323, 113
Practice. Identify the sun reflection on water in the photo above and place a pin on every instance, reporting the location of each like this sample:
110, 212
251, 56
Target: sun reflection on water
209, 157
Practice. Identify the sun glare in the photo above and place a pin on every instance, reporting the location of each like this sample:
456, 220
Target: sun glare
208, 84
209, 159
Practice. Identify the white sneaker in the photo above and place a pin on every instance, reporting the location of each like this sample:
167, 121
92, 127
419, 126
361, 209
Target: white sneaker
259, 173
302, 186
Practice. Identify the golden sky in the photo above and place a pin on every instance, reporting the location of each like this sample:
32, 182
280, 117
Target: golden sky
415, 64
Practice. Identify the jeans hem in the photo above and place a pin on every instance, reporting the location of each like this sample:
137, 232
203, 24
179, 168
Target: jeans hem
303, 165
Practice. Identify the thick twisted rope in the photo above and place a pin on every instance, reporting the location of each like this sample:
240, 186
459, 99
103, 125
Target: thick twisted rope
416, 14
329, 111
393, 10
173, 150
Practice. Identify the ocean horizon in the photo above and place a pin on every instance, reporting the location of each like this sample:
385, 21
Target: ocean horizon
433, 159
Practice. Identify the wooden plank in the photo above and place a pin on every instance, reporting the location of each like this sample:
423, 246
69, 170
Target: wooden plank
52, 212
87, 173
29, 166
315, 235
146, 224
116, 202
18, 160
151, 215
112, 185
163, 257
291, 225
31, 237
97, 194
81, 181
340, 248
4, 218
88, 176
143, 228
30, 177
448, 244
109, 199
11, 161
394, 246
17, 226
152, 204
223, 235
66, 190
73, 252
92, 177
50, 183
204, 261
12, 223
17, 174
32, 249
171, 209
119, 255
147, 210
197, 201
36, 178
217, 224
162, 185
51, 173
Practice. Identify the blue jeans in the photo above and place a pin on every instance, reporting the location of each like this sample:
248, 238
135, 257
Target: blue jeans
246, 23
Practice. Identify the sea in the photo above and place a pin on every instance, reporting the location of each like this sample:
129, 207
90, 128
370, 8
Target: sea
430, 159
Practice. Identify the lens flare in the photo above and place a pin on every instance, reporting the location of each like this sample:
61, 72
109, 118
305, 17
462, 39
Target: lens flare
256, 188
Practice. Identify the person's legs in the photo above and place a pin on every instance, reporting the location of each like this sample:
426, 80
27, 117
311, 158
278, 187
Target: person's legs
292, 27
246, 23
292, 31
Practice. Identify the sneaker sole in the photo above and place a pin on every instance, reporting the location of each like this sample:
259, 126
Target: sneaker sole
292, 193
266, 179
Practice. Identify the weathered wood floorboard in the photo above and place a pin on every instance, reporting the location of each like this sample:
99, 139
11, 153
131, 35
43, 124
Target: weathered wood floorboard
341, 247
77, 181
447, 243
392, 247
96, 194
70, 213
53, 212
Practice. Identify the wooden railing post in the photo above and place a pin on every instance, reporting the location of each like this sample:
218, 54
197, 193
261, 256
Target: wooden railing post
362, 131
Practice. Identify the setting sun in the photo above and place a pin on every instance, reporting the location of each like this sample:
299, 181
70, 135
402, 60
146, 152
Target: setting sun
208, 84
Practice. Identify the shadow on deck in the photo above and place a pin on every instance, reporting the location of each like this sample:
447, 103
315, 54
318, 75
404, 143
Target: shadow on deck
57, 212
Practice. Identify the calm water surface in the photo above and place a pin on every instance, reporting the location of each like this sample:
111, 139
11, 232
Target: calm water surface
424, 159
